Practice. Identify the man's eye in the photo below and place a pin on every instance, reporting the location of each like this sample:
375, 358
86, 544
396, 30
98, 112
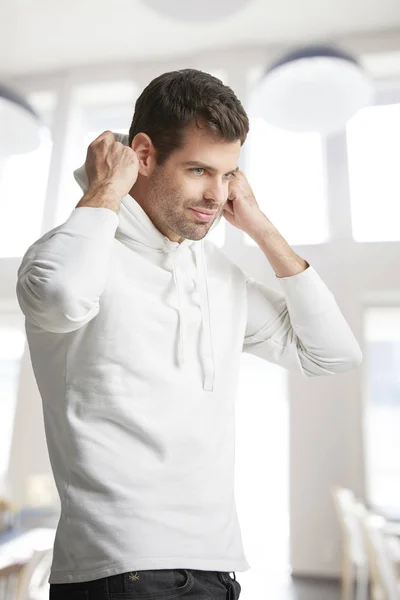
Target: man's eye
227, 176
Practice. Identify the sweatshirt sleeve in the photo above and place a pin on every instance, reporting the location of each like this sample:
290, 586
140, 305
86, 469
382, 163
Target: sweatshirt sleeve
64, 273
302, 329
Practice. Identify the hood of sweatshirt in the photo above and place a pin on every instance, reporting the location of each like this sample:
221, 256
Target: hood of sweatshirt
135, 228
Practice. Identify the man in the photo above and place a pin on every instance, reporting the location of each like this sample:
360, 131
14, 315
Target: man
136, 324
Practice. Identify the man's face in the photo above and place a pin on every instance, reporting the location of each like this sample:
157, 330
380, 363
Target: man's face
194, 177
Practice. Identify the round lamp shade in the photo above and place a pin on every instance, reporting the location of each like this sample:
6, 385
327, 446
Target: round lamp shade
19, 124
317, 88
207, 10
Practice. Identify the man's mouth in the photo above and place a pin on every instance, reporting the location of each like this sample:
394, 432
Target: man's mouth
206, 215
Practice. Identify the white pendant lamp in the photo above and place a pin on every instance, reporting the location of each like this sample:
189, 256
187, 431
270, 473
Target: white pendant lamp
315, 88
206, 10
20, 126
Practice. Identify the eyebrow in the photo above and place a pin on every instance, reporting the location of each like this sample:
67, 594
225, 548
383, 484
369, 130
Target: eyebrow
198, 163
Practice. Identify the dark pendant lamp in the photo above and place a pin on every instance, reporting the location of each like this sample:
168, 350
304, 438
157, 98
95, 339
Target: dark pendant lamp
20, 127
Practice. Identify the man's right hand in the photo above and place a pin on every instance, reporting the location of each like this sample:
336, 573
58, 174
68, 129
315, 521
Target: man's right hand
109, 162
112, 171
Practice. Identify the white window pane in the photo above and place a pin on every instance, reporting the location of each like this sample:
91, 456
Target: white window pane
382, 333
286, 171
373, 140
23, 184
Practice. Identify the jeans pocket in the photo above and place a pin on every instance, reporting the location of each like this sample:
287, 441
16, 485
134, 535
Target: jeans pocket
237, 587
232, 585
154, 584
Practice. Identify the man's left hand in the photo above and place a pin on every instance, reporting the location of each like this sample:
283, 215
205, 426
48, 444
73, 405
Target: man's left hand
241, 209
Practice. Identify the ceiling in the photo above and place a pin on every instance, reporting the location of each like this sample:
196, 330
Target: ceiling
38, 36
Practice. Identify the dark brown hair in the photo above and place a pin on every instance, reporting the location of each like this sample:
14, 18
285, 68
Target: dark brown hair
176, 99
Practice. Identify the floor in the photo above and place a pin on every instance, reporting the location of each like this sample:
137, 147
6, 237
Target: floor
312, 590
274, 587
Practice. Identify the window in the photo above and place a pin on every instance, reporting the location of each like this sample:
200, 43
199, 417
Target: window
382, 423
23, 183
286, 173
373, 143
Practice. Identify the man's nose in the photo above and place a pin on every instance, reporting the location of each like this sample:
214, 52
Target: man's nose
218, 193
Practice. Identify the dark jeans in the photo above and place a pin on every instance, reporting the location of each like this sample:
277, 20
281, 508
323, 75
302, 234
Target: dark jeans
154, 584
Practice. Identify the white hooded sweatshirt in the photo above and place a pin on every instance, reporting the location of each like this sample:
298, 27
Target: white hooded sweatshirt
135, 343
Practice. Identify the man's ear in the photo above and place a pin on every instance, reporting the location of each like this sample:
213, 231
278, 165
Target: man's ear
145, 151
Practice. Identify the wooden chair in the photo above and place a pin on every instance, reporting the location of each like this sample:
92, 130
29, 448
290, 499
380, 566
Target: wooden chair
28, 580
33, 577
382, 565
354, 555
25, 562
9, 576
